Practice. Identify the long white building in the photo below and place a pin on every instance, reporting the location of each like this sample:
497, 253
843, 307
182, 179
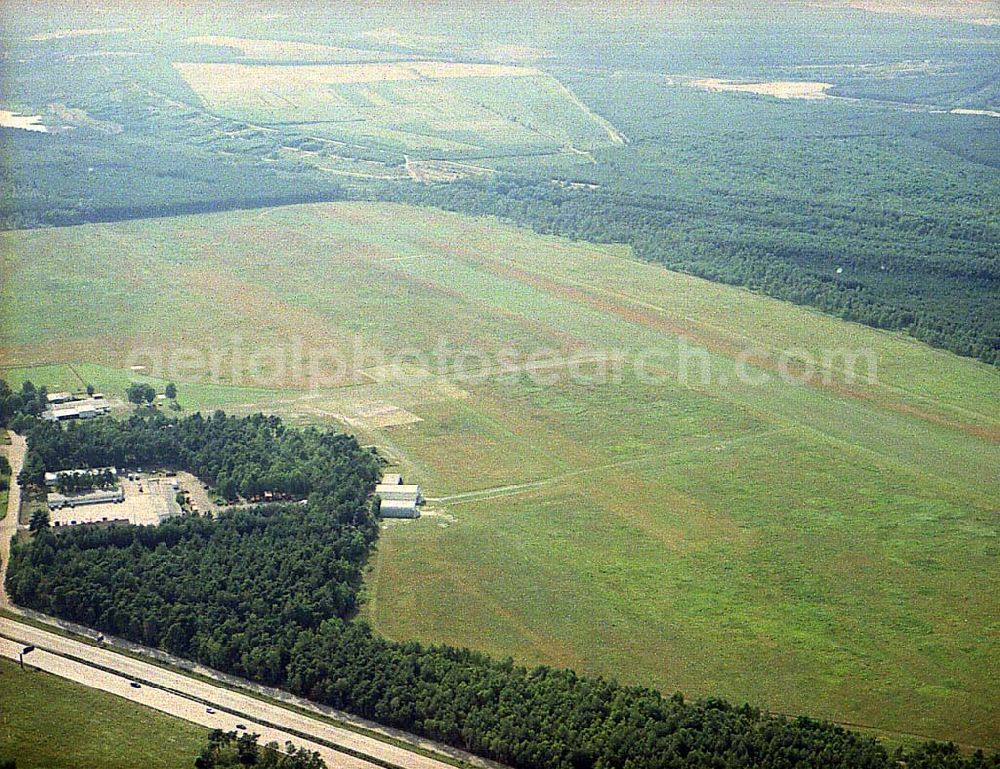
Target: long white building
398, 499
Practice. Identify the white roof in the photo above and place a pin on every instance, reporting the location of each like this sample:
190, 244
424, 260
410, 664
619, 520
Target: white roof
89, 406
401, 504
397, 508
398, 488
91, 498
81, 471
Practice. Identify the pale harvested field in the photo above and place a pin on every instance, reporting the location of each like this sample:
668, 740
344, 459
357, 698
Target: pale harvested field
214, 78
24, 122
781, 89
439, 107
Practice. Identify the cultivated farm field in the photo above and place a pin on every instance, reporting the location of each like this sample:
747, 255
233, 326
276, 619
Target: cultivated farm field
698, 522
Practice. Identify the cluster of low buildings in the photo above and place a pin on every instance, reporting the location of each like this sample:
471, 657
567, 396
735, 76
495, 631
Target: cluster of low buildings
66, 405
96, 496
133, 498
398, 499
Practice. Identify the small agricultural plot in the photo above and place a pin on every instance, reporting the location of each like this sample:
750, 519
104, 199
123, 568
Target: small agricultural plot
459, 109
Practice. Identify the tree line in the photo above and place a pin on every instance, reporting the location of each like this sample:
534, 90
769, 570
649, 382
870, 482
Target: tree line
17, 405
941, 287
231, 750
270, 593
240, 457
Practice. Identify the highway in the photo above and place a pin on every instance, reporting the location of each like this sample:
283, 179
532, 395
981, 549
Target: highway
188, 698
171, 703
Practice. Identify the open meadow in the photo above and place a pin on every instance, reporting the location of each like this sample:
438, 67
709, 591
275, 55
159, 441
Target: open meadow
48, 722
623, 476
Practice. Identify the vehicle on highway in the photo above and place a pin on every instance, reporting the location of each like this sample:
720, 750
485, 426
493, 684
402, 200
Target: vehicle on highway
135, 684
209, 710
241, 726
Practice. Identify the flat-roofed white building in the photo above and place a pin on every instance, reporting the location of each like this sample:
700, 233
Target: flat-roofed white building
399, 492
77, 408
58, 501
398, 499
397, 508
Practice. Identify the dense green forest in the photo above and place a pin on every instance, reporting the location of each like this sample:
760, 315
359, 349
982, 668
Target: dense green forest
268, 593
28, 401
238, 456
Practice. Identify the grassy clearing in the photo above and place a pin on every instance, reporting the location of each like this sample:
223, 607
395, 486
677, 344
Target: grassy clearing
827, 548
47, 722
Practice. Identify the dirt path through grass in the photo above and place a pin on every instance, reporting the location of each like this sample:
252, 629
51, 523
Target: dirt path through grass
15, 452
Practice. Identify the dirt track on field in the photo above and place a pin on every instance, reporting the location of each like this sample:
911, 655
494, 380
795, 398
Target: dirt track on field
8, 525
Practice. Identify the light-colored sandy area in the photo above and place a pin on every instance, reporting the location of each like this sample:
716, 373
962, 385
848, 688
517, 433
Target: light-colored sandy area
980, 112
369, 415
198, 493
781, 89
24, 122
148, 501
199, 694
285, 49
64, 33
382, 415
510, 52
210, 79
14, 451
78, 118
442, 170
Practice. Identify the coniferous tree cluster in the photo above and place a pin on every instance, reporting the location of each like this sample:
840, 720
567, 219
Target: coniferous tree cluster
230, 750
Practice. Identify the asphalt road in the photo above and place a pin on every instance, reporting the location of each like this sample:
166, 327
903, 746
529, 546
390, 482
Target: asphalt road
187, 698
171, 703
